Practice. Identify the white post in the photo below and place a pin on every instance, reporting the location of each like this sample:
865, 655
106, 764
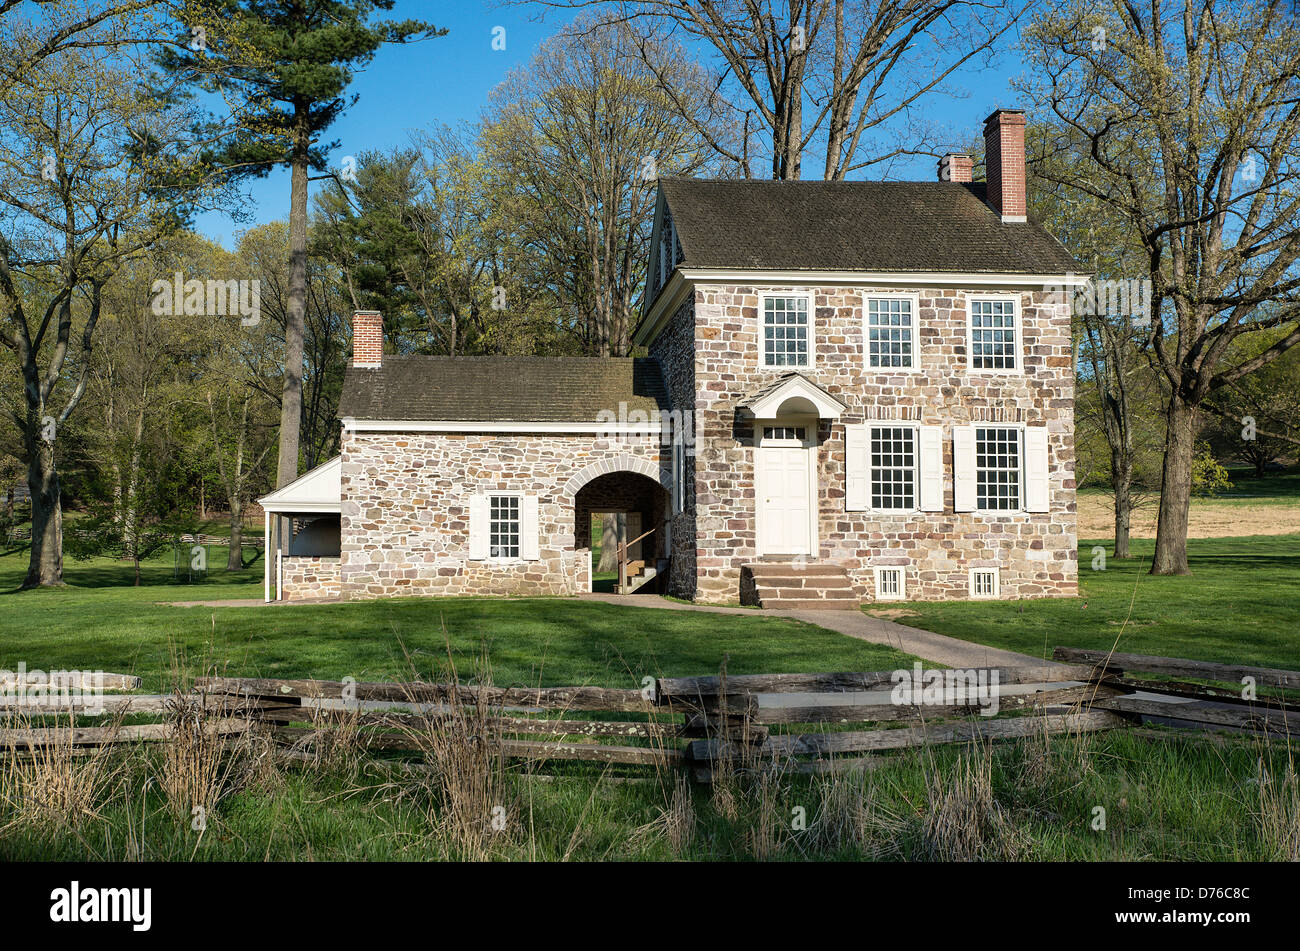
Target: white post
266, 558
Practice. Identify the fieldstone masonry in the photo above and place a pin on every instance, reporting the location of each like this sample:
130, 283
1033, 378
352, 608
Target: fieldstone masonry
1036, 553
406, 500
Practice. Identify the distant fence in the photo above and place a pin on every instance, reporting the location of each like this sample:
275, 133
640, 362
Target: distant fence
249, 540
703, 723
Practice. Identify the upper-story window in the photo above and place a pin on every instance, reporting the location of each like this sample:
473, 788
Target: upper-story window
787, 332
891, 332
994, 334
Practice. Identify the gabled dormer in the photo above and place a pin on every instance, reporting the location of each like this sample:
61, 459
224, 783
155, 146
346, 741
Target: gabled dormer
665, 251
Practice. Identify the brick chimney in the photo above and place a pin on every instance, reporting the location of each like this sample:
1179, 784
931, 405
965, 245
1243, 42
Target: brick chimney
955, 167
1004, 154
367, 339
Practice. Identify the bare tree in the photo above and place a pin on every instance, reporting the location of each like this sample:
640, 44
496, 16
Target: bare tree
1189, 118
840, 74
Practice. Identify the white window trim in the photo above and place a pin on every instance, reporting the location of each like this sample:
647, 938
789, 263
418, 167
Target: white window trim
763, 295
489, 494
902, 583
1000, 513
866, 332
1017, 322
916, 467
997, 584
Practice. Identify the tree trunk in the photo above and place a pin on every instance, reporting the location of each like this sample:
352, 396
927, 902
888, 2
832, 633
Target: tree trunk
235, 559
610, 536
1175, 488
45, 566
1121, 475
296, 308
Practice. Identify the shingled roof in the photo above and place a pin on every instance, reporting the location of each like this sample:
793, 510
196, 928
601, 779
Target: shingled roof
854, 226
501, 389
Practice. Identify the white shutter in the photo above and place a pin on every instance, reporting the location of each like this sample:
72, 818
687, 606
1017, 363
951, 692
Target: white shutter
963, 468
478, 526
857, 467
528, 547
931, 457
1037, 494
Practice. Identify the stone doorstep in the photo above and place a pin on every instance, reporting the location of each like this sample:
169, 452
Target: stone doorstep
810, 604
788, 568
822, 594
824, 582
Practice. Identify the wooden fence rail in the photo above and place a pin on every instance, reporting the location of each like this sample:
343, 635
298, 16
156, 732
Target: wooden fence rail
753, 720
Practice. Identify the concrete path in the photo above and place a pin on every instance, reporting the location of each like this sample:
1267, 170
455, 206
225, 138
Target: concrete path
936, 648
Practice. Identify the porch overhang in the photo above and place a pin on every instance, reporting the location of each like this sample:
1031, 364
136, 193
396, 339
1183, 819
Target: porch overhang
792, 394
317, 491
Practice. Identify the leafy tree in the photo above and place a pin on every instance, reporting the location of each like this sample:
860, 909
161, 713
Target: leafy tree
285, 66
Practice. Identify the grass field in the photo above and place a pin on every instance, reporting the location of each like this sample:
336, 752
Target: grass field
99, 621
1253, 506
1165, 799
1239, 605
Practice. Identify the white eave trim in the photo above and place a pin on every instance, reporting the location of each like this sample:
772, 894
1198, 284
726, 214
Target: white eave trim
623, 428
673, 293
304, 508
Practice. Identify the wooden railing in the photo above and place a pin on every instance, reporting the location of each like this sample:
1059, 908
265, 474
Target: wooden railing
623, 561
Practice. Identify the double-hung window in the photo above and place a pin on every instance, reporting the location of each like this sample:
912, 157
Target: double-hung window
504, 526
994, 343
787, 331
891, 332
998, 469
893, 468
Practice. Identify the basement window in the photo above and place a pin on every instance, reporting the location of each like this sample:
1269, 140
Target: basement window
890, 584
984, 583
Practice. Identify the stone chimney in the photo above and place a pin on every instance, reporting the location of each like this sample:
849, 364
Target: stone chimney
367, 339
1004, 155
955, 167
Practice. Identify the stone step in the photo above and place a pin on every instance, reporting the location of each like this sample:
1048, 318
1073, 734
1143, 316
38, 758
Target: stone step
811, 604
762, 569
803, 581
820, 594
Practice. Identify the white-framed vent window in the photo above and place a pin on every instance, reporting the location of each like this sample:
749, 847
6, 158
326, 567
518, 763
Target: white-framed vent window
892, 337
505, 528
787, 331
891, 584
984, 583
893, 468
998, 469
994, 334
798, 433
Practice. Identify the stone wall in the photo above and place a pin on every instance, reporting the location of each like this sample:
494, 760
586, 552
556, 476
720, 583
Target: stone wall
674, 348
406, 499
310, 577
1036, 553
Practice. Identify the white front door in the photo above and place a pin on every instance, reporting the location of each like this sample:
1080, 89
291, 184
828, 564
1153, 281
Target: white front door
784, 491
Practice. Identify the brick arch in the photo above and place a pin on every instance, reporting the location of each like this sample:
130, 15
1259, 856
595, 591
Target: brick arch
621, 463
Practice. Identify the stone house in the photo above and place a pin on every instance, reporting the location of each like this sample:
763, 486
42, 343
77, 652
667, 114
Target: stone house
851, 391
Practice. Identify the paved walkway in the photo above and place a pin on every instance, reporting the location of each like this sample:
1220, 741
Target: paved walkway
936, 648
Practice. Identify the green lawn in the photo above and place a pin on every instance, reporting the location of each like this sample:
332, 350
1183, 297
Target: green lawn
100, 622
1240, 604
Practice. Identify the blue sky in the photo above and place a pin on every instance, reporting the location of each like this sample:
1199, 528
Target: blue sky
447, 80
